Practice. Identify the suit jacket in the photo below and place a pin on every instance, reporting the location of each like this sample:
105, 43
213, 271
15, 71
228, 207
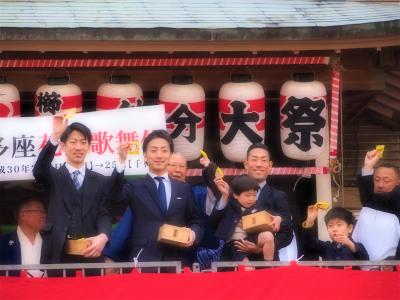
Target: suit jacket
61, 193
148, 216
269, 199
10, 251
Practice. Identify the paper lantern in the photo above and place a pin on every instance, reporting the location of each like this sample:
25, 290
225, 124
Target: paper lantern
57, 95
184, 103
120, 92
303, 117
241, 116
9, 99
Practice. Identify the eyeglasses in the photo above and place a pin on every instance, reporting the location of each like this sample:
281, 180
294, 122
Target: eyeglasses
40, 211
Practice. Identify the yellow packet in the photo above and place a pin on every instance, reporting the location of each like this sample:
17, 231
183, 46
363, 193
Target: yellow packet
69, 113
203, 154
322, 205
219, 171
134, 148
380, 149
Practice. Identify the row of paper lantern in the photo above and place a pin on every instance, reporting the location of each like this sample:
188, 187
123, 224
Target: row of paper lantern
303, 111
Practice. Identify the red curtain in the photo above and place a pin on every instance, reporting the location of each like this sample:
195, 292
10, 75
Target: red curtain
294, 282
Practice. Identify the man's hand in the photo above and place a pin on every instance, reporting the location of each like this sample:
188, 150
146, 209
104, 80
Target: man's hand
223, 187
312, 215
205, 162
97, 244
192, 238
371, 159
247, 247
276, 222
59, 126
123, 149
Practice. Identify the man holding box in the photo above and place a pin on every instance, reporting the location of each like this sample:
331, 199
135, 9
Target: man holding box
156, 200
77, 196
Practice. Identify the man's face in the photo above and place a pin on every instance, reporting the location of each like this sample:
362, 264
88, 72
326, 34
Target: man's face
76, 148
385, 180
177, 167
157, 155
33, 216
258, 164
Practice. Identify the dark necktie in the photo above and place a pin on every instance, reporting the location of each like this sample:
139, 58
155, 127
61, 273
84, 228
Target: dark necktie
75, 175
161, 193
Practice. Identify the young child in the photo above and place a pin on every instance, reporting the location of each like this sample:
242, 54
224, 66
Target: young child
239, 245
339, 222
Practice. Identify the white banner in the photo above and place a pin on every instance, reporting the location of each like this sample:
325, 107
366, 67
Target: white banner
22, 138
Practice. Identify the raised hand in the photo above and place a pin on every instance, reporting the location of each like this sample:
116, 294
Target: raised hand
371, 159
223, 187
59, 126
123, 149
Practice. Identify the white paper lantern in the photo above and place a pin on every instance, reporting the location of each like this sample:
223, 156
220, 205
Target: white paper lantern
185, 115
57, 95
304, 117
241, 116
9, 99
121, 92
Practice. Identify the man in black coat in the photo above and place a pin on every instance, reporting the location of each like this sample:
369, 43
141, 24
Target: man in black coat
78, 197
158, 199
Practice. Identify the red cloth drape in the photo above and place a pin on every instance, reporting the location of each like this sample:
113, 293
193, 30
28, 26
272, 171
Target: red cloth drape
294, 282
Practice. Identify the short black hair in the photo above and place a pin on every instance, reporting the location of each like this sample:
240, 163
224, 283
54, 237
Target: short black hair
158, 134
258, 146
26, 202
388, 165
340, 213
243, 183
76, 127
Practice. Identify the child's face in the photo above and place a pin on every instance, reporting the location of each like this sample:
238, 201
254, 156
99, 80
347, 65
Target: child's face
247, 198
338, 226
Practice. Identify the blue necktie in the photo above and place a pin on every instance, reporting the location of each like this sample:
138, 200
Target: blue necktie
161, 193
75, 175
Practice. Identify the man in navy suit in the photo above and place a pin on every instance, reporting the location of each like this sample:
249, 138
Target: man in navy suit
24, 245
158, 199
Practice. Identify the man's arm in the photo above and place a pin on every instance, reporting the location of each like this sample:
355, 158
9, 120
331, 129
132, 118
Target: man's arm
365, 181
193, 219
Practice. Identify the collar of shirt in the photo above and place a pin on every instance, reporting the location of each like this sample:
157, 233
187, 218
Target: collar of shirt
165, 176
71, 169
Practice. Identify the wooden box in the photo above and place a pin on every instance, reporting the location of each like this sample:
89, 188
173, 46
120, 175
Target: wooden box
77, 247
257, 222
174, 235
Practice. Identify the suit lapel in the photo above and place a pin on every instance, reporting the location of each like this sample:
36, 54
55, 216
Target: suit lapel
88, 191
151, 187
15, 248
68, 188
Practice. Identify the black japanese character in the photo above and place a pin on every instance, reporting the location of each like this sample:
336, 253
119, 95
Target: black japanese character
3, 149
238, 119
303, 118
49, 102
184, 118
23, 147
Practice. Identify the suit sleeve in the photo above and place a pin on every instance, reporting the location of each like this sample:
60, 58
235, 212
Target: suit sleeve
193, 219
312, 243
365, 187
120, 238
285, 234
361, 253
42, 168
208, 174
104, 218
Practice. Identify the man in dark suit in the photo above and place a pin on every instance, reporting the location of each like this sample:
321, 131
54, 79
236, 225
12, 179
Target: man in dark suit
78, 197
379, 187
258, 165
158, 199
24, 245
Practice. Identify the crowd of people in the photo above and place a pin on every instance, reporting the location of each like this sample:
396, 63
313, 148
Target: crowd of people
78, 201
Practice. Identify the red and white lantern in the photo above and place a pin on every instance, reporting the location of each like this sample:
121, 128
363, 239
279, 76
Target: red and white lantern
57, 95
9, 100
241, 116
185, 105
120, 92
303, 117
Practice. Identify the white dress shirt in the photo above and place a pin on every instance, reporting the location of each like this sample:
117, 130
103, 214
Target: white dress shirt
167, 184
30, 253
